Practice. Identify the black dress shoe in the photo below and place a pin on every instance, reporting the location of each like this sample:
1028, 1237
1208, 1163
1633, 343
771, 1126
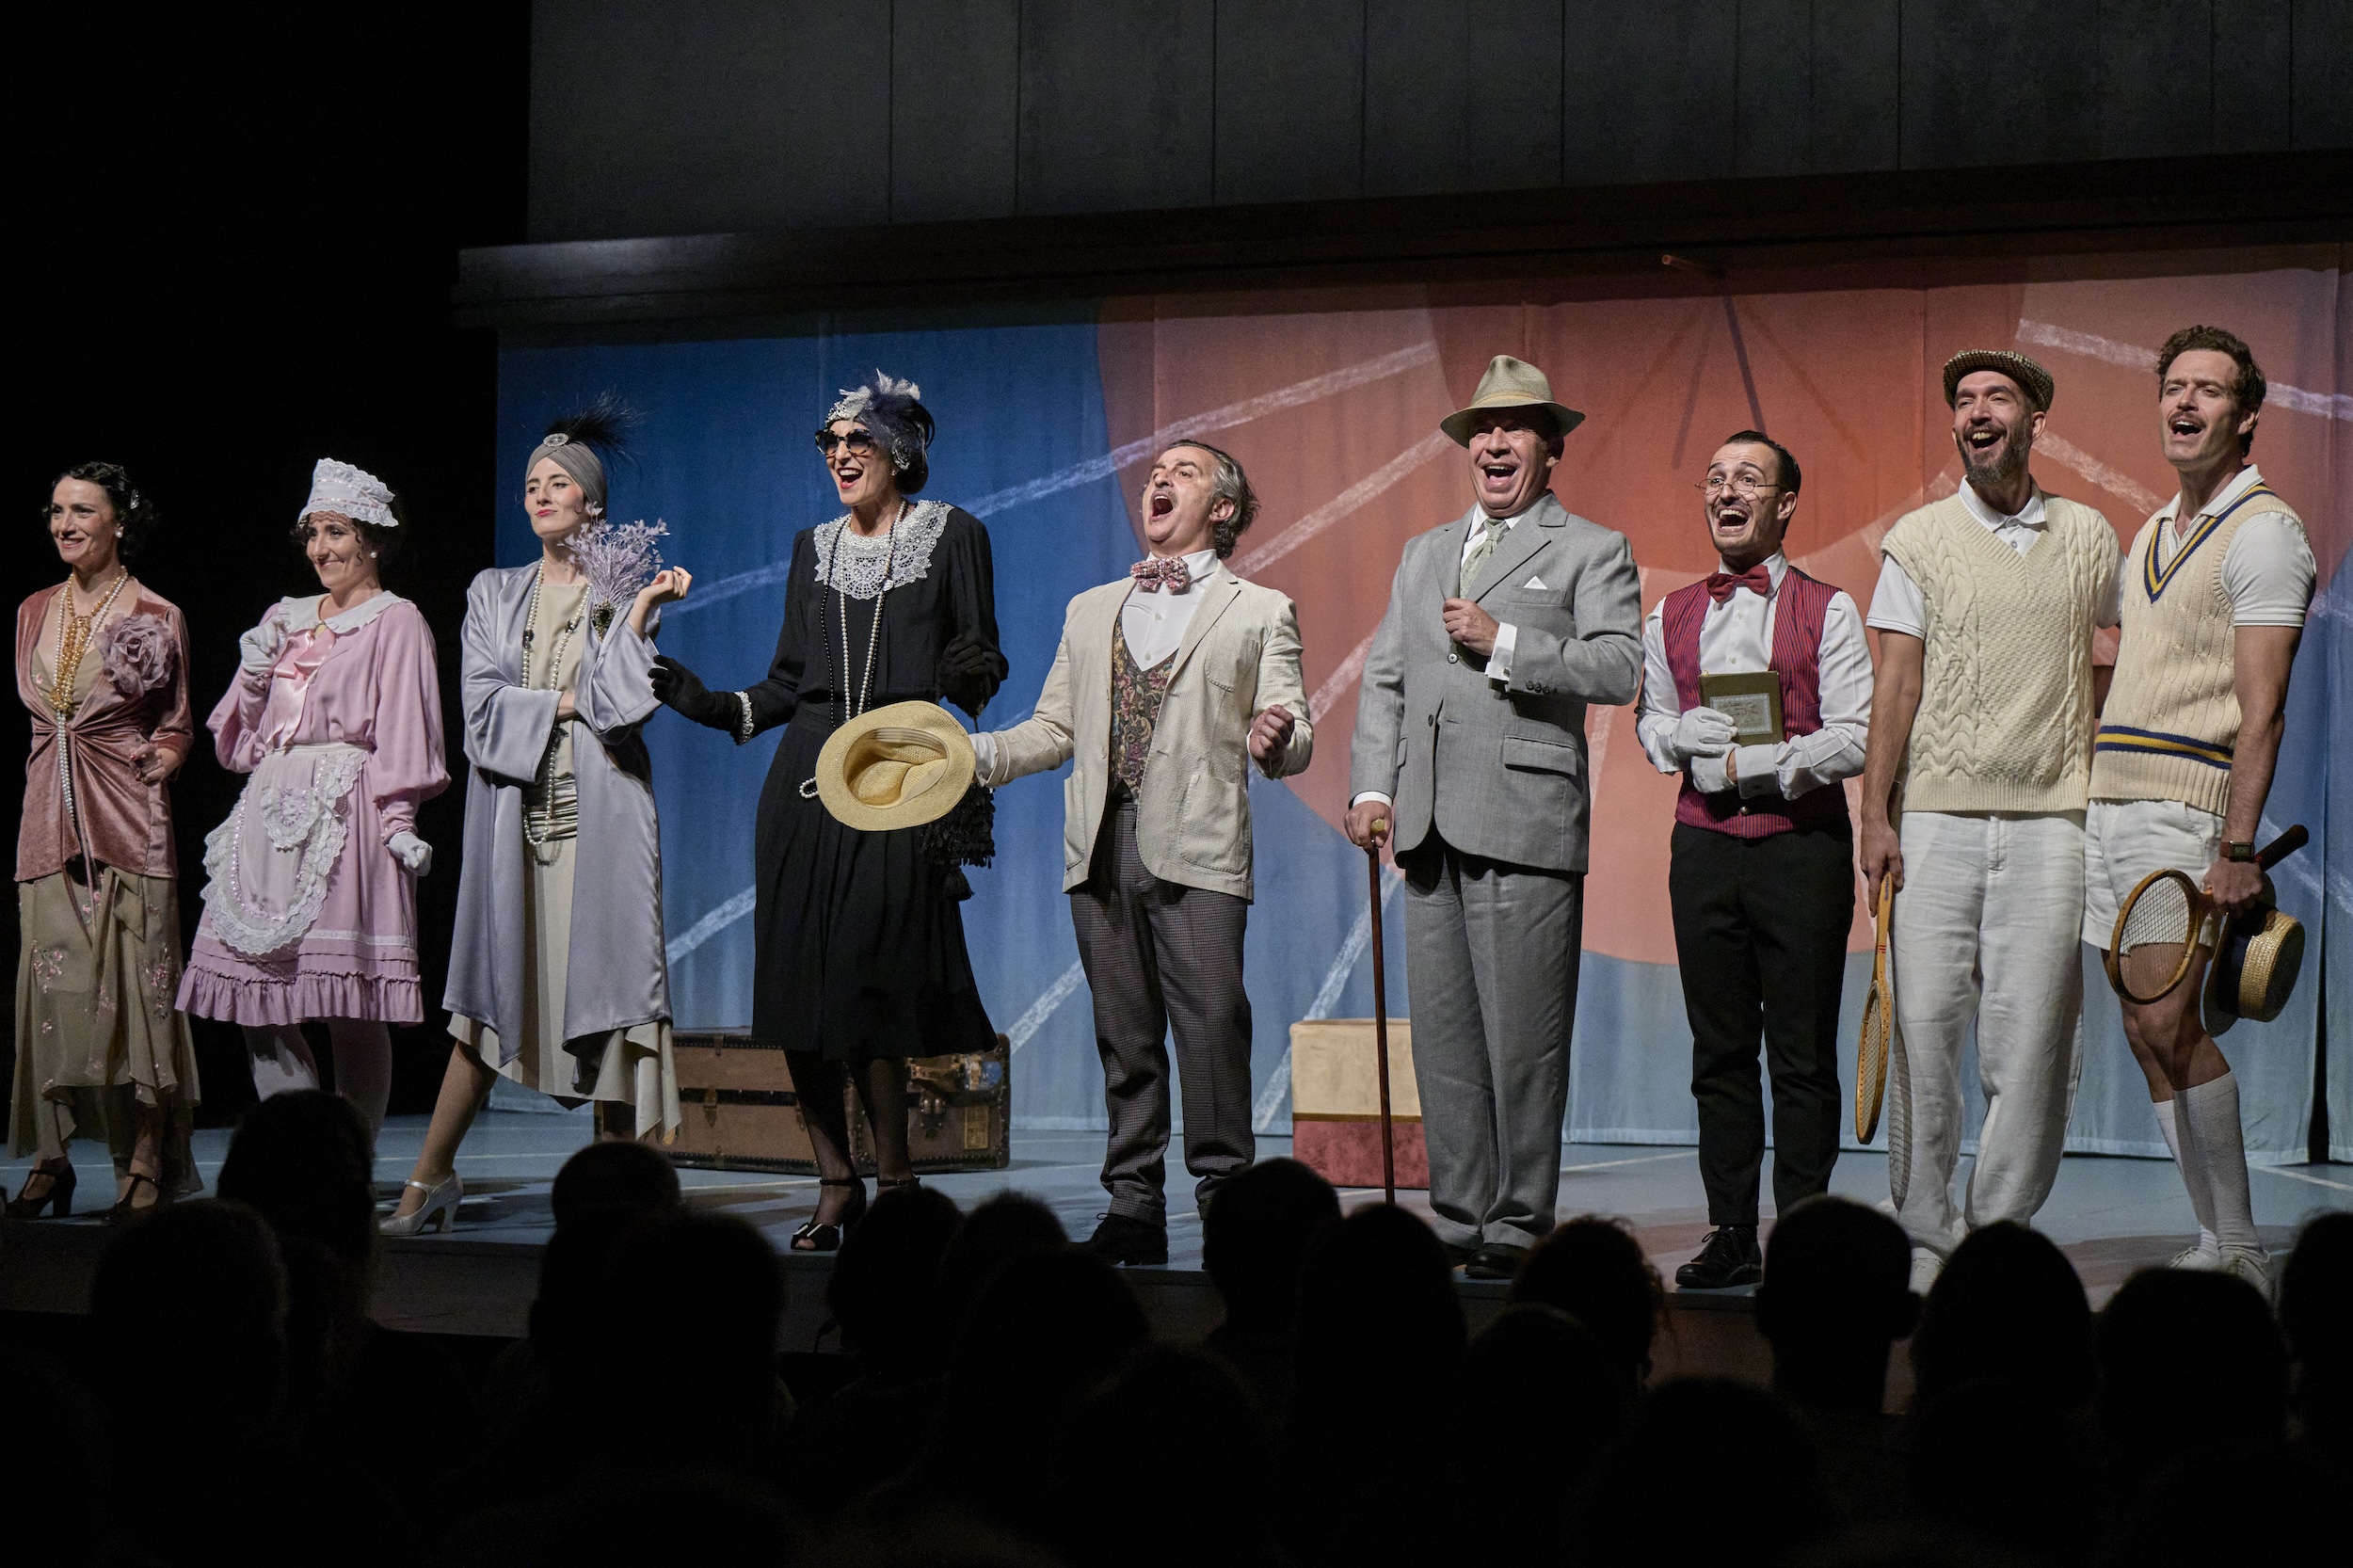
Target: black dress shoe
1123, 1239
1496, 1260
1458, 1252
1729, 1257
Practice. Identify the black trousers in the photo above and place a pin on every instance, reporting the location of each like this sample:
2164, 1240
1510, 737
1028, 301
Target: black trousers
1761, 934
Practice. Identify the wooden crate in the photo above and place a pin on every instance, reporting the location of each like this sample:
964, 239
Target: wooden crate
1336, 1102
738, 1110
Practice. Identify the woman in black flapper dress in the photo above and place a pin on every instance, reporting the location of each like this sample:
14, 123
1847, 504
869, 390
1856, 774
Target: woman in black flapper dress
859, 940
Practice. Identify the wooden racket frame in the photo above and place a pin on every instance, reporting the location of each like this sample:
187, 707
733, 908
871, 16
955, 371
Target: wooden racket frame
2200, 907
1868, 1105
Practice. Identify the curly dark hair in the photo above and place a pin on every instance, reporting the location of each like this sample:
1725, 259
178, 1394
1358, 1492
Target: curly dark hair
134, 513
2246, 392
383, 542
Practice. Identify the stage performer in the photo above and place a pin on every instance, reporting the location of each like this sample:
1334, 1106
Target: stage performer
335, 717
1762, 871
858, 940
1980, 748
1170, 682
1469, 756
102, 661
2214, 593
556, 973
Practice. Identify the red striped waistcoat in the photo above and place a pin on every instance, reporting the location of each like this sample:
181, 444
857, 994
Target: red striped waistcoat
1802, 603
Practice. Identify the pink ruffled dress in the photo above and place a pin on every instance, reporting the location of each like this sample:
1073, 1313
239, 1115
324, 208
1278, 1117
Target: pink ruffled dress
308, 914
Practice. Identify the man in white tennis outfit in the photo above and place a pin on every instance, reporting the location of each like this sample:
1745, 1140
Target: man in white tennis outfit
1981, 716
2214, 597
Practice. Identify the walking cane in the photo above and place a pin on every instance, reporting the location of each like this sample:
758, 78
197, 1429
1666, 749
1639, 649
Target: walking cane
1381, 1017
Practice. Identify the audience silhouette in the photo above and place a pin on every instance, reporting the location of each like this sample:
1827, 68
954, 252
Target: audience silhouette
1005, 1404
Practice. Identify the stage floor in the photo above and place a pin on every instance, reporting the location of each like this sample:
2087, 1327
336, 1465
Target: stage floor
2112, 1216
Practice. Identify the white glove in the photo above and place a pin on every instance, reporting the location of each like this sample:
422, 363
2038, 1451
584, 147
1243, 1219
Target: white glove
1701, 732
257, 650
411, 852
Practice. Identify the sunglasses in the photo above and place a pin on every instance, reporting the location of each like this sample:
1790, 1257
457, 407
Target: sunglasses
858, 443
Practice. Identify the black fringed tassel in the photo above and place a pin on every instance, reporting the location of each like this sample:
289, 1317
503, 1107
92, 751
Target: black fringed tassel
967, 836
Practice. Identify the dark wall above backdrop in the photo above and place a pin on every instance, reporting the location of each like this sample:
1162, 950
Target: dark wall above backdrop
240, 237
761, 117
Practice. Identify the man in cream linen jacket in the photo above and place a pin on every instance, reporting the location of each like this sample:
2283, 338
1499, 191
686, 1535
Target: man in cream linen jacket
1168, 684
1470, 743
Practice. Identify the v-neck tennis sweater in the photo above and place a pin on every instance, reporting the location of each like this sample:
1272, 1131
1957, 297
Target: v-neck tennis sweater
2005, 716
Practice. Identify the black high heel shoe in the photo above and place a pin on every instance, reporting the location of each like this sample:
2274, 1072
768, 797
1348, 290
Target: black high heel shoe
58, 1199
125, 1212
813, 1237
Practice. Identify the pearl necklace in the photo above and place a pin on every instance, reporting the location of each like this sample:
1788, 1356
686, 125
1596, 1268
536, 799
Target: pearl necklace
873, 630
73, 640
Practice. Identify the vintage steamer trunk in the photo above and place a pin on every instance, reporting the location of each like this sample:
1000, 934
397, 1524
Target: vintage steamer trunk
738, 1112
1336, 1102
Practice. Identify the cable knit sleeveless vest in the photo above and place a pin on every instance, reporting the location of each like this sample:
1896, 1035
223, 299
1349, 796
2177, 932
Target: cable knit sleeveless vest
2005, 718
2172, 716
1798, 660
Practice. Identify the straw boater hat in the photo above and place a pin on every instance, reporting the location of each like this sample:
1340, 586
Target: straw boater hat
1510, 384
2253, 970
2032, 379
899, 766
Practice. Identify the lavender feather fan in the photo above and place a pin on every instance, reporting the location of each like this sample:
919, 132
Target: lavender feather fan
617, 558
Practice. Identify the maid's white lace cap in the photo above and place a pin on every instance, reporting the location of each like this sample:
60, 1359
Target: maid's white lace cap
350, 492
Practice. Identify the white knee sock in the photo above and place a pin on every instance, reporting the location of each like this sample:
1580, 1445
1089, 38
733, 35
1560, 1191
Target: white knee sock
2200, 1202
2220, 1152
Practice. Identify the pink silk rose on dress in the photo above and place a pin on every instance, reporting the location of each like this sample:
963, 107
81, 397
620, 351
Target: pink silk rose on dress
136, 654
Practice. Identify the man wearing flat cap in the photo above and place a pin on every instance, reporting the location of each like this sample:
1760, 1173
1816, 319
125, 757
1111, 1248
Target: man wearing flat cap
1469, 758
1973, 791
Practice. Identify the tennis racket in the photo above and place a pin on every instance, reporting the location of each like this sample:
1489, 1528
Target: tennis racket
1878, 1026
2166, 921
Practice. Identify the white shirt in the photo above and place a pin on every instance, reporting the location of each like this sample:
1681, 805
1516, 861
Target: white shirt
1507, 634
1735, 638
2268, 570
1152, 624
1897, 604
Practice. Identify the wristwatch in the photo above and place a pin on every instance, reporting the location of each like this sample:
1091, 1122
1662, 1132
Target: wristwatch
2244, 850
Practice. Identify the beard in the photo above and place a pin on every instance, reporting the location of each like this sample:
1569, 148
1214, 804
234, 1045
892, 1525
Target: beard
2001, 465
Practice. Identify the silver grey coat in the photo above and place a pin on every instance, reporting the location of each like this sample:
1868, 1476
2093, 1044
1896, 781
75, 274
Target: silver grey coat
616, 976
1499, 769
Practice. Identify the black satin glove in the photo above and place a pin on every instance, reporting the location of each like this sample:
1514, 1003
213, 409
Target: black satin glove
683, 689
970, 670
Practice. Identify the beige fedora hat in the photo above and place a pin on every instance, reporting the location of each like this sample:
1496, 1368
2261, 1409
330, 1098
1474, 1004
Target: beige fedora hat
2254, 968
1508, 384
900, 766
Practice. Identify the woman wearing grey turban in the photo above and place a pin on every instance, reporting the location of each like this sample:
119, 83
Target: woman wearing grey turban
556, 975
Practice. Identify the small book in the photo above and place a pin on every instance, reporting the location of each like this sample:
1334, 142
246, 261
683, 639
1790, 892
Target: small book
1751, 701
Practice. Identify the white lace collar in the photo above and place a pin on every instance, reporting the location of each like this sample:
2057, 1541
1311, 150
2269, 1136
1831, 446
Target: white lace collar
301, 612
862, 567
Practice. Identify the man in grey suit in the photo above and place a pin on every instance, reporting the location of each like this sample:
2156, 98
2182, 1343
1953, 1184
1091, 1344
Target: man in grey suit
1470, 757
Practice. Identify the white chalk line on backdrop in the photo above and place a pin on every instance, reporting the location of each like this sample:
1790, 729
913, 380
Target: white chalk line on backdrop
1278, 1084
2133, 356
1314, 388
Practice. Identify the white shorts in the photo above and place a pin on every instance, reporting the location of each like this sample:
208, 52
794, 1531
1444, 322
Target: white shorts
2126, 839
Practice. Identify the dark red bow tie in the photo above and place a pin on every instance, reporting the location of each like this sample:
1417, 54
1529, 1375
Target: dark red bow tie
1756, 579
1154, 573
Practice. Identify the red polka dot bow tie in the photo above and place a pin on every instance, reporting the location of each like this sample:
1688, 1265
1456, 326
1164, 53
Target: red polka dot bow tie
1157, 571
1756, 579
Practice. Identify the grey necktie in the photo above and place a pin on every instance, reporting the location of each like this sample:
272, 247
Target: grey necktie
1475, 562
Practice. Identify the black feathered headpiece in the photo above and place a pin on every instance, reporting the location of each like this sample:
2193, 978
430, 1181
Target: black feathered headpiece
892, 415
583, 445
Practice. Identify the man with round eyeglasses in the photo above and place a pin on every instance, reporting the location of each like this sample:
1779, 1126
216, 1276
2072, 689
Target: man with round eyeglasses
1762, 871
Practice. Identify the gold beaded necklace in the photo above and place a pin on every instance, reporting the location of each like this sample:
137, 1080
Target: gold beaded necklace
74, 639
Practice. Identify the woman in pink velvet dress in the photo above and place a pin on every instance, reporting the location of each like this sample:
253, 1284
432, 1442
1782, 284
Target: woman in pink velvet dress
310, 906
102, 663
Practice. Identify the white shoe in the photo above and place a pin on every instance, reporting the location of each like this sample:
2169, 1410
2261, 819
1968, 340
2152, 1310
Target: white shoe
441, 1202
2196, 1258
1926, 1266
2251, 1264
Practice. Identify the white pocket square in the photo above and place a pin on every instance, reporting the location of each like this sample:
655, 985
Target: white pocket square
1534, 582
